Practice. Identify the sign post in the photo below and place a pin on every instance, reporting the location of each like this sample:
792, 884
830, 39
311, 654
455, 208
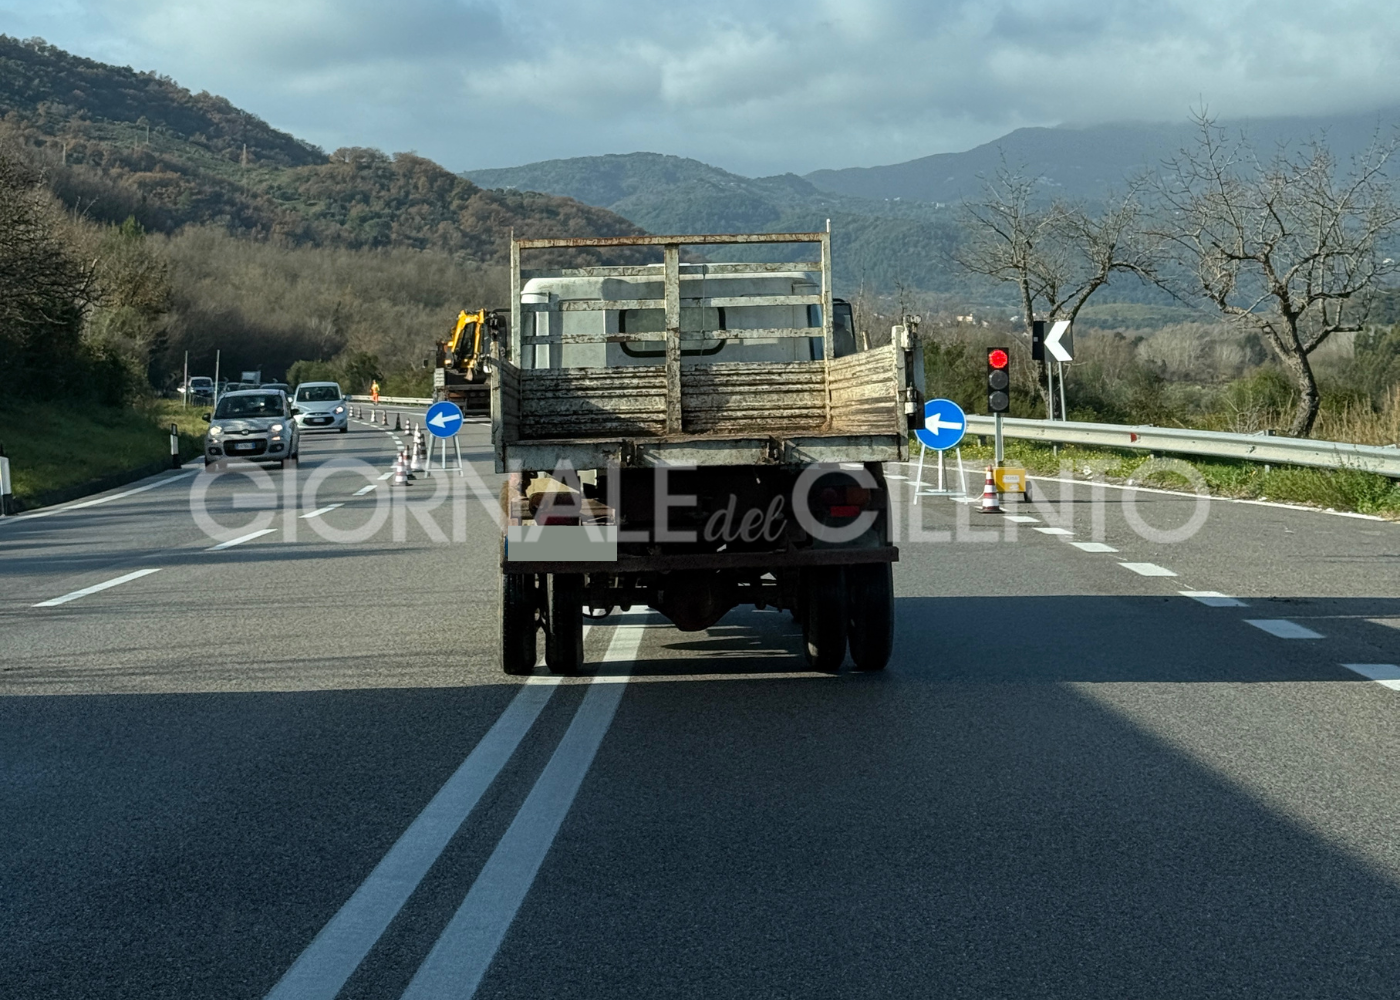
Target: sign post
444, 420
1060, 343
943, 429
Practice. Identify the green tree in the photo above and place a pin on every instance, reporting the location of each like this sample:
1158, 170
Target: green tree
45, 288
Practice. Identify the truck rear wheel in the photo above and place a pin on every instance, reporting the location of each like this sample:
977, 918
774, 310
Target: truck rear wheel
563, 647
870, 596
517, 623
824, 618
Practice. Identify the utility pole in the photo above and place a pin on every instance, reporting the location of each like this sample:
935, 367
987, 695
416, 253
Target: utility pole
187, 380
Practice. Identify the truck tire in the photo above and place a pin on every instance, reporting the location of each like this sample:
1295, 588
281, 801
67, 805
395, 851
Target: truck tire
870, 595
517, 623
824, 618
563, 647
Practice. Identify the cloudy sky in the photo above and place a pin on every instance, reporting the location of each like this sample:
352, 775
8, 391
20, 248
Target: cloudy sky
755, 86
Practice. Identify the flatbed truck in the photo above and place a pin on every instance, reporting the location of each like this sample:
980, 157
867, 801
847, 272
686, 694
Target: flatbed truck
694, 437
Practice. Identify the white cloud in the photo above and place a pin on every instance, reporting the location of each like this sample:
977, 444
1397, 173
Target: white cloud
755, 87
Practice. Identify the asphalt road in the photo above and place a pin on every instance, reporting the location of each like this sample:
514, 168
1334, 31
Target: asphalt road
289, 766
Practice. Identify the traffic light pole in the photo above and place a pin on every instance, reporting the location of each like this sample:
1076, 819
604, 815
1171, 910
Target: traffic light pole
998, 453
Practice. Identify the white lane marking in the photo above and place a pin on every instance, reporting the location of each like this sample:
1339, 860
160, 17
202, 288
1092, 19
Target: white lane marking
890, 475
94, 503
1147, 569
1054, 531
55, 602
462, 954
241, 539
1283, 628
1384, 674
363, 490
1211, 497
976, 499
322, 510
386, 475
330, 959
1214, 599
1021, 519
1093, 547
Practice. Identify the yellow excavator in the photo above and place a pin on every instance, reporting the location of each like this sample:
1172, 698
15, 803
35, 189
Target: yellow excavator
458, 373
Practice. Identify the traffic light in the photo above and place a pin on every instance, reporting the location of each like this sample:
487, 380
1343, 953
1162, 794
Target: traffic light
998, 380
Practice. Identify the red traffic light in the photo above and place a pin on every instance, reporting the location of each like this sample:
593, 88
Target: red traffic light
997, 358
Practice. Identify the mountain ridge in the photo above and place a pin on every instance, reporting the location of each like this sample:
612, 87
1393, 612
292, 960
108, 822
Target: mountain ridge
1088, 161
114, 143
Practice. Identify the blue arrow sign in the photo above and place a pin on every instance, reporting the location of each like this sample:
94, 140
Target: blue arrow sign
443, 419
944, 424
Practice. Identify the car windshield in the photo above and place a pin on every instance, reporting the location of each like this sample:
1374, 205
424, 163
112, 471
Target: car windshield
318, 393
268, 405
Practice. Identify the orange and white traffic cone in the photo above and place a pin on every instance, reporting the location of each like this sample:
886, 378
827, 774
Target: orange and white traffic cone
991, 501
400, 471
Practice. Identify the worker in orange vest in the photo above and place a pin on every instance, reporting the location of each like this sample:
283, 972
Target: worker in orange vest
374, 391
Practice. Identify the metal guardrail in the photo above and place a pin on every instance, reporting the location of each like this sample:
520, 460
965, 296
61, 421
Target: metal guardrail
1211, 444
394, 400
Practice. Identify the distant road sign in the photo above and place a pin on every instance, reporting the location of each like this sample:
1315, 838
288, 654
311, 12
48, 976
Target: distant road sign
1060, 341
443, 419
944, 424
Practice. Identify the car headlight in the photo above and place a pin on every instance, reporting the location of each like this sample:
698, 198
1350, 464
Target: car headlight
277, 428
340, 409
215, 430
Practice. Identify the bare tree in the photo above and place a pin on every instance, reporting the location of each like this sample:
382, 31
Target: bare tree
1286, 247
1056, 253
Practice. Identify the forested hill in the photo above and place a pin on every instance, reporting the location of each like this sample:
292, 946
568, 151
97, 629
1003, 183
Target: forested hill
115, 143
669, 194
42, 83
877, 244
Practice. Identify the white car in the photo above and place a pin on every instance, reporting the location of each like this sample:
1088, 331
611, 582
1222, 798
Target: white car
321, 406
256, 426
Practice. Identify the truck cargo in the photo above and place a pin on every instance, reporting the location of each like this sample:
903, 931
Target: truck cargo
694, 437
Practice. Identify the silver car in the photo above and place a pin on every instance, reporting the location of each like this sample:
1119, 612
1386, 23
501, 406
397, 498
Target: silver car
255, 424
321, 406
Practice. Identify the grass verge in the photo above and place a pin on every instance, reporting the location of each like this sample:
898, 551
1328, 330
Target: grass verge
1340, 489
61, 451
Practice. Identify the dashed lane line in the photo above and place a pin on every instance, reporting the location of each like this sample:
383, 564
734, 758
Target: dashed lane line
1021, 519
1385, 674
462, 954
1214, 598
323, 968
365, 489
1147, 569
1093, 547
1054, 531
240, 539
322, 510
1282, 628
95, 588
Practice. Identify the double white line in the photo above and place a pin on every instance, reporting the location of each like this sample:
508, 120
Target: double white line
463, 952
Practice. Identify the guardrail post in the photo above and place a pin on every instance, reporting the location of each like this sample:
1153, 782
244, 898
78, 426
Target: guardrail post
4, 483
174, 446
